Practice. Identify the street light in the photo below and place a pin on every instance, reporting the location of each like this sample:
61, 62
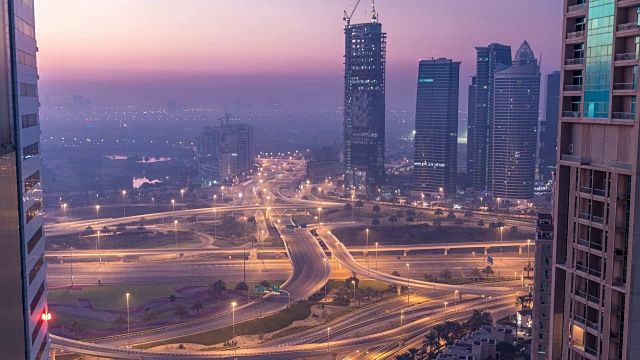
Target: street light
98, 244
175, 232
501, 242
455, 298
173, 205
319, 210
408, 270
97, 213
128, 323
366, 253
182, 194
354, 294
64, 209
324, 261
328, 343
445, 305
528, 243
153, 205
124, 203
376, 256
233, 324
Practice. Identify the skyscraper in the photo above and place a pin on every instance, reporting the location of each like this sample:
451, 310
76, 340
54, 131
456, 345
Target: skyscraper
436, 137
364, 105
549, 128
514, 132
23, 308
488, 61
595, 314
471, 126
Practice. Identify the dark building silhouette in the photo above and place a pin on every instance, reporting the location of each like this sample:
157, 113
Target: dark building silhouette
549, 128
471, 126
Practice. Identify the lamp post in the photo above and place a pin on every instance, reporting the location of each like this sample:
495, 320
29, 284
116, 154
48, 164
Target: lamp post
64, 209
153, 205
353, 217
97, 213
319, 210
324, 261
128, 323
214, 199
408, 270
366, 252
445, 305
376, 256
354, 295
328, 343
98, 245
173, 205
233, 320
528, 243
175, 233
182, 194
455, 298
501, 242
124, 203
442, 193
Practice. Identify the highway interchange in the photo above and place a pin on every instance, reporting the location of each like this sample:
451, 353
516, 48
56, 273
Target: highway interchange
305, 269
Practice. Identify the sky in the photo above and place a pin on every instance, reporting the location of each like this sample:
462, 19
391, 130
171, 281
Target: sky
288, 52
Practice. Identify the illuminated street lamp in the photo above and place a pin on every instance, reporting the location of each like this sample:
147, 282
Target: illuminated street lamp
98, 245
153, 205
528, 243
319, 210
173, 205
124, 203
175, 232
455, 298
376, 256
128, 323
64, 209
233, 323
408, 270
366, 252
445, 305
328, 338
324, 261
182, 194
214, 199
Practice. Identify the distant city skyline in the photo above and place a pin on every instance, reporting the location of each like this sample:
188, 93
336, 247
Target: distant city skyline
215, 52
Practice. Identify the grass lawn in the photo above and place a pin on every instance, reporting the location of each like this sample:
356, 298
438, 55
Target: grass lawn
111, 297
265, 325
401, 234
363, 284
66, 320
131, 239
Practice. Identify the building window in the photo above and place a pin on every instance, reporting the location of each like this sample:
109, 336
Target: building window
25, 28
28, 90
32, 181
29, 120
34, 210
26, 59
30, 151
35, 239
36, 269
36, 299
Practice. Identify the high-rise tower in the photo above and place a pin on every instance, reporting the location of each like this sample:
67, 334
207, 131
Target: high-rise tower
471, 126
549, 128
436, 137
23, 308
364, 105
594, 293
514, 132
489, 60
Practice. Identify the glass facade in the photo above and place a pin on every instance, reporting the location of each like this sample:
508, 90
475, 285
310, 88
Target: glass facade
597, 92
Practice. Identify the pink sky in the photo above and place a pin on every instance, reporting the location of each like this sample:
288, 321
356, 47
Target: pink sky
89, 44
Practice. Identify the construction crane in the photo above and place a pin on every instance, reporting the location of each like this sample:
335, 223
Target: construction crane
347, 17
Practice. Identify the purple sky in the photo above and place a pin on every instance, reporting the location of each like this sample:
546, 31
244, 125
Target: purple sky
289, 51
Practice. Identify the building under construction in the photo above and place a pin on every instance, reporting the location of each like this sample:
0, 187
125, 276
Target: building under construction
364, 104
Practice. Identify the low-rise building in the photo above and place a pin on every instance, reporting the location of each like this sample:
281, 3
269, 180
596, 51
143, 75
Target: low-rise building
479, 345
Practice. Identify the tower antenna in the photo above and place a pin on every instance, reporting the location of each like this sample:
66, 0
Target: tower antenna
374, 18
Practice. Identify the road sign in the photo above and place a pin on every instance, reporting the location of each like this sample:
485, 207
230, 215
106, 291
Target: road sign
259, 289
490, 260
275, 289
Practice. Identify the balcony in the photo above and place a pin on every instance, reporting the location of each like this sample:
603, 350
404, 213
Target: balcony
581, 294
624, 86
595, 245
572, 88
590, 351
620, 164
618, 281
625, 3
594, 299
571, 114
595, 273
583, 242
582, 160
577, 61
584, 216
624, 116
628, 27
582, 268
576, 8
586, 190
627, 57
598, 192
597, 219
576, 35
579, 320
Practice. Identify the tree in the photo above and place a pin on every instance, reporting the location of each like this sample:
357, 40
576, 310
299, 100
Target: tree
197, 306
395, 273
216, 288
428, 278
480, 223
528, 268
438, 213
487, 271
359, 204
458, 222
242, 287
347, 207
251, 219
411, 212
507, 351
150, 317
76, 328
451, 215
392, 219
348, 282
437, 222
475, 273
376, 208
265, 283
431, 343
446, 275
478, 319
513, 229
119, 321
468, 214
181, 312
375, 222
410, 219
172, 298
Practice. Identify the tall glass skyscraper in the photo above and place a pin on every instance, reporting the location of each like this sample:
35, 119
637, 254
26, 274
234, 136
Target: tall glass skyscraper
549, 128
23, 308
436, 137
594, 293
514, 133
471, 126
364, 106
489, 60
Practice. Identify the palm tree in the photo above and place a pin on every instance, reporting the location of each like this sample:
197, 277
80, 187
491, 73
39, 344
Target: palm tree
197, 306
528, 268
395, 273
480, 223
392, 219
446, 275
478, 319
458, 222
431, 342
181, 312
438, 213
375, 222
468, 214
76, 328
376, 208
487, 271
150, 316
216, 288
410, 219
451, 215
523, 302
242, 287
119, 321
359, 204
475, 273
